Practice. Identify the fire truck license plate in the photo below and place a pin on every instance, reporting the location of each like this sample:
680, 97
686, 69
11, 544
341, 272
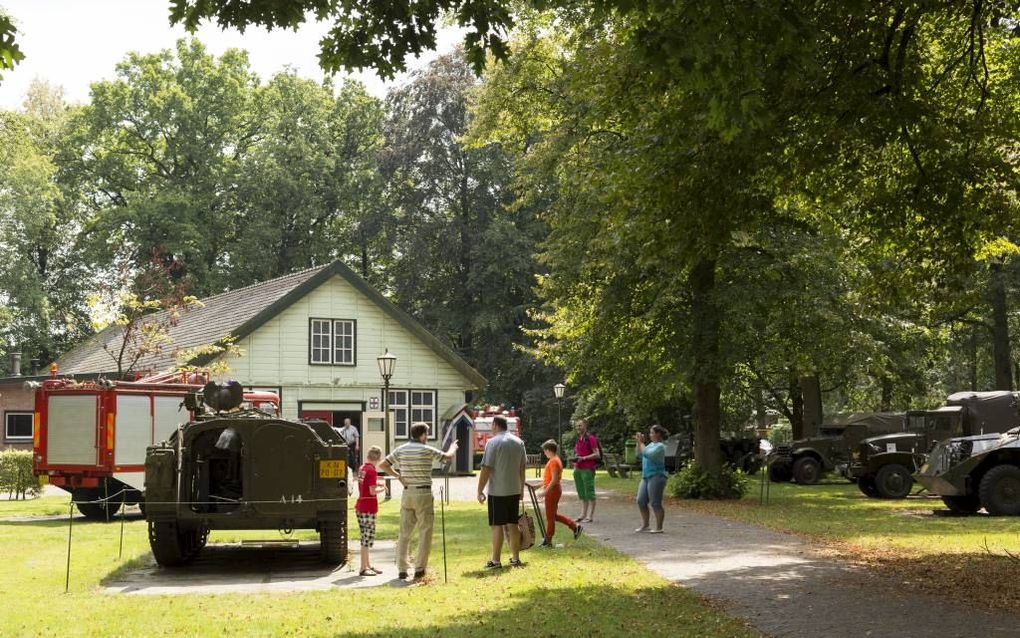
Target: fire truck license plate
332, 469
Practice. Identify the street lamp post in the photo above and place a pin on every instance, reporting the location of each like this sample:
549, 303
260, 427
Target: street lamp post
387, 362
558, 391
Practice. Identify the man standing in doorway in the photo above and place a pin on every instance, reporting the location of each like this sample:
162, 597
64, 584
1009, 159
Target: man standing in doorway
350, 434
503, 473
411, 464
586, 459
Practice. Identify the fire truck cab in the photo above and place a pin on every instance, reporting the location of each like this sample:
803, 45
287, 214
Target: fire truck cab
483, 426
90, 437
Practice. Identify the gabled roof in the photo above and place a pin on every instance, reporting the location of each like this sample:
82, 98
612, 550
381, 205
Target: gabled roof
238, 313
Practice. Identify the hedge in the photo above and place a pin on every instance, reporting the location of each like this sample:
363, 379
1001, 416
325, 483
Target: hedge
16, 476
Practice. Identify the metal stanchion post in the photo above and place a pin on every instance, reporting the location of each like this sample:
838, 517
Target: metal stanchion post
442, 515
123, 514
70, 524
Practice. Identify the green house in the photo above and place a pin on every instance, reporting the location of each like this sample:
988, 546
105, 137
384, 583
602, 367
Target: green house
313, 337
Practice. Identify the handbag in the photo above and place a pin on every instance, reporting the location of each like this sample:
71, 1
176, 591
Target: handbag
526, 525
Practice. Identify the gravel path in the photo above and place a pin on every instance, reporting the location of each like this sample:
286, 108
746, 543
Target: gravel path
778, 582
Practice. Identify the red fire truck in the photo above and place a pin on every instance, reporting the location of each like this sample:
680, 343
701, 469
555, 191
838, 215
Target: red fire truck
483, 425
90, 437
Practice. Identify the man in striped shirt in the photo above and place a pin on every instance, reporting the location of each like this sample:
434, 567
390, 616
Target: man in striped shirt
411, 464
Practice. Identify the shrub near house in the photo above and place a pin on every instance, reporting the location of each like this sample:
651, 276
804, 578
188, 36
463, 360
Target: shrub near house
16, 477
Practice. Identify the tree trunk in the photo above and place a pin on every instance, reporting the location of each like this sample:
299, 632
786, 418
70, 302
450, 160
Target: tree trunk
707, 456
1000, 330
796, 407
974, 359
811, 390
885, 404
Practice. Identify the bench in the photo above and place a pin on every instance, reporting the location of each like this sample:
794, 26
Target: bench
616, 467
387, 481
534, 461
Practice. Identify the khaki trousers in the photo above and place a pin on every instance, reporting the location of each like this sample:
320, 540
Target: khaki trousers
416, 511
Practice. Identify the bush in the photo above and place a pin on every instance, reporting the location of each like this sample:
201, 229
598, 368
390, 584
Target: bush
692, 482
780, 433
16, 477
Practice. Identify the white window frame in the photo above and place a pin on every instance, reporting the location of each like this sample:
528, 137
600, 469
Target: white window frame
319, 353
344, 355
423, 402
7, 426
400, 409
327, 342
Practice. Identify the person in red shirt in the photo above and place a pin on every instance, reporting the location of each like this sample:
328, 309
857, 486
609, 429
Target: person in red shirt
368, 507
552, 491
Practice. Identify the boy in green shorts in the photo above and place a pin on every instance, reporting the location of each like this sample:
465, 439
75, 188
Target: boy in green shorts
586, 458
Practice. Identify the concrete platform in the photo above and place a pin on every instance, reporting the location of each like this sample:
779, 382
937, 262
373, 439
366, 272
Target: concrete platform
231, 568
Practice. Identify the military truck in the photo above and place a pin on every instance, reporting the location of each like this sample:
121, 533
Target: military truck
243, 469
740, 451
971, 472
806, 460
883, 466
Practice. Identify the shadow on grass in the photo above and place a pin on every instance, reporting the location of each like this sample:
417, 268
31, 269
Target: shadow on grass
595, 610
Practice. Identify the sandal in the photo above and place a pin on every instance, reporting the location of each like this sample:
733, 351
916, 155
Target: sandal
377, 571
516, 562
493, 565
367, 572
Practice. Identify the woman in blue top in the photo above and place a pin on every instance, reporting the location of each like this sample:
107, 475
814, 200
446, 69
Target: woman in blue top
653, 476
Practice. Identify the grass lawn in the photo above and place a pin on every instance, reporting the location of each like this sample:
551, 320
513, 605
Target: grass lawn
42, 506
583, 589
958, 555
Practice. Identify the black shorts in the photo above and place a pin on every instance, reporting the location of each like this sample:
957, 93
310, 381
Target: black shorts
504, 510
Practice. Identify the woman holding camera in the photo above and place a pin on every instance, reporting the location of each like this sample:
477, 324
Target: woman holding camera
653, 476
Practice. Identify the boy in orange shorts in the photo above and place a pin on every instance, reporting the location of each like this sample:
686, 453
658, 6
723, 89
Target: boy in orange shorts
552, 490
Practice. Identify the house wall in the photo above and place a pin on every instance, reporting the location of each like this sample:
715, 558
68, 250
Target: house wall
14, 398
277, 355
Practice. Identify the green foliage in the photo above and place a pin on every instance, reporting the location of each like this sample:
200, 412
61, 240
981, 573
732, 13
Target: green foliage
16, 477
692, 482
780, 433
10, 52
375, 35
42, 274
453, 210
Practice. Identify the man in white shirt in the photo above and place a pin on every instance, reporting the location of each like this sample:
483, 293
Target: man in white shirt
411, 464
350, 434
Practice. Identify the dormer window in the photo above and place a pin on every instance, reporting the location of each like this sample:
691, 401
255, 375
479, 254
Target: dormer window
332, 342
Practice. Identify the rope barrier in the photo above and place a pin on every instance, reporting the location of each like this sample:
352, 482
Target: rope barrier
123, 502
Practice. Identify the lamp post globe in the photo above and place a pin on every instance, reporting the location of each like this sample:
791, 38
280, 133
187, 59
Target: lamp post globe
387, 363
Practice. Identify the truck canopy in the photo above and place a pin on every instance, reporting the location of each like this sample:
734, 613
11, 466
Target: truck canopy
988, 411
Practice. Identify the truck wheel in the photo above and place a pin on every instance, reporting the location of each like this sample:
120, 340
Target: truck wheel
332, 543
962, 504
1000, 490
99, 511
807, 470
893, 481
867, 485
170, 546
779, 473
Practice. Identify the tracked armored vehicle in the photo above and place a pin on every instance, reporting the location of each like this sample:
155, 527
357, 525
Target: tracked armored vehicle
234, 469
